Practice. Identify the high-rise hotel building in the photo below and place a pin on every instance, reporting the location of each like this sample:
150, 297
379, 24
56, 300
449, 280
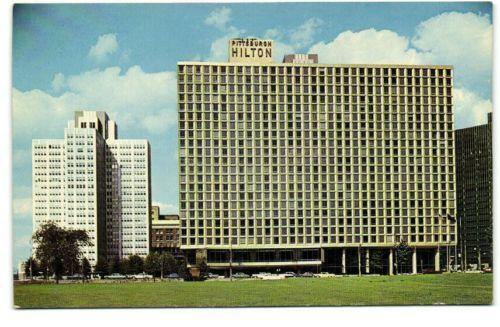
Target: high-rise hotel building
310, 165
94, 181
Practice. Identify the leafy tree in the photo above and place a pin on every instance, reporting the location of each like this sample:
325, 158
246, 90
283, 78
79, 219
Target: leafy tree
86, 269
376, 261
101, 266
136, 264
58, 247
168, 264
125, 267
403, 255
182, 269
203, 267
31, 267
114, 266
152, 264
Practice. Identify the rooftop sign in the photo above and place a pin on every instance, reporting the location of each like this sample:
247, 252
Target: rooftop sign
250, 50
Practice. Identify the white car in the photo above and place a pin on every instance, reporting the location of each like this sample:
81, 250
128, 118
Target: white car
116, 276
261, 275
142, 276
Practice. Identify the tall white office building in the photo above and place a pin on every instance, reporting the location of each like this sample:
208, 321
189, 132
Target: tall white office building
94, 181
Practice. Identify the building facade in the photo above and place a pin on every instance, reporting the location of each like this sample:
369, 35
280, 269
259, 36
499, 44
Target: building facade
475, 194
165, 230
309, 165
93, 181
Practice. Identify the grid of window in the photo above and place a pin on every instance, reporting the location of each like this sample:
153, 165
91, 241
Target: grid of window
315, 155
127, 197
474, 161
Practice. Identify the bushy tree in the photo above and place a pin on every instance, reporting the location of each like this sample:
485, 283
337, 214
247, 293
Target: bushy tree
31, 267
203, 267
125, 266
168, 264
136, 264
182, 269
101, 267
86, 269
377, 261
403, 255
58, 247
152, 264
114, 266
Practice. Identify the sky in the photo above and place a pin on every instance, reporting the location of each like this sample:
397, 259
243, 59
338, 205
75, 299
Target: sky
121, 58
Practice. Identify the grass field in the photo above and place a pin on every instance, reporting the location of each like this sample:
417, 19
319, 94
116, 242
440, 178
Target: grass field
379, 290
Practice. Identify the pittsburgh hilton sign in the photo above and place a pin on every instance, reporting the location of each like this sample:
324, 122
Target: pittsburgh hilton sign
250, 50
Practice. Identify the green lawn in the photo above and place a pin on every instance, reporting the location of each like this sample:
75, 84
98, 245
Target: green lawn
383, 290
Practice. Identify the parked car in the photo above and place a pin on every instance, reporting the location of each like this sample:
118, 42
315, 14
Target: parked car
116, 276
488, 270
261, 275
290, 274
142, 276
240, 275
173, 276
324, 275
212, 276
307, 274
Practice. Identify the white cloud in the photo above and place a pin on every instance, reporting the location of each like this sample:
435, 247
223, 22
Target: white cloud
105, 46
470, 109
368, 46
281, 49
58, 82
303, 35
133, 98
219, 48
219, 18
159, 122
167, 208
22, 206
464, 40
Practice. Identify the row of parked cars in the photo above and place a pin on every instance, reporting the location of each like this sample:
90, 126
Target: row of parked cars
140, 276
267, 275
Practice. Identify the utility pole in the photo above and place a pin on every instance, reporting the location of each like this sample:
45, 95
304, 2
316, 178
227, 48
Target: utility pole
455, 267
465, 256
359, 260
231, 260
479, 257
448, 256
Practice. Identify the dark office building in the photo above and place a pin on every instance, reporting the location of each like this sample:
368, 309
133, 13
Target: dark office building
474, 173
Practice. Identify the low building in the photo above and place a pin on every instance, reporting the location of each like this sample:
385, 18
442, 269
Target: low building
164, 231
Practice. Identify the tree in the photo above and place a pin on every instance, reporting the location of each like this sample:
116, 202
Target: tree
203, 268
101, 266
85, 268
114, 266
152, 264
182, 269
31, 267
58, 247
168, 264
136, 264
376, 261
125, 267
403, 255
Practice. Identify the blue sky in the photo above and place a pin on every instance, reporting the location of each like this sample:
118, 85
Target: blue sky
122, 59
